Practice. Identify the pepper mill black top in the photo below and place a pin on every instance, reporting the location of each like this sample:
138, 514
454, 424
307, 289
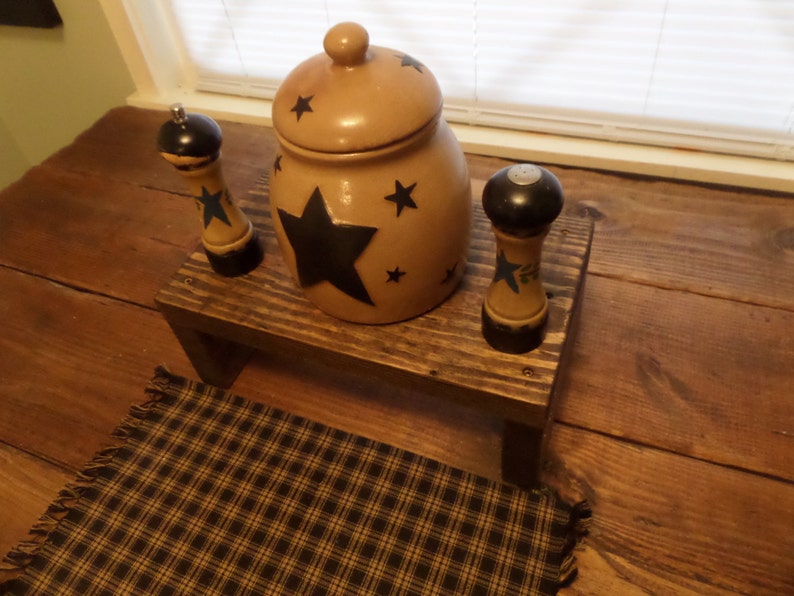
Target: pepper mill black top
192, 144
521, 201
190, 135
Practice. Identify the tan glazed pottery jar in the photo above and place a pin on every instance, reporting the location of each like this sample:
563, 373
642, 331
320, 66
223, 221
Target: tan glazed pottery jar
369, 190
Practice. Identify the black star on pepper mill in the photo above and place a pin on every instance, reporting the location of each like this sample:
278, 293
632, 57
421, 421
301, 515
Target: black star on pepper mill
192, 144
521, 201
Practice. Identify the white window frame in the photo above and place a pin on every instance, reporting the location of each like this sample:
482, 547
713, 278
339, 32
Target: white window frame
163, 75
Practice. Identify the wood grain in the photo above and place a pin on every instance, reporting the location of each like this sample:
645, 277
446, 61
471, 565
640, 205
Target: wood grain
666, 523
89, 231
29, 484
703, 377
72, 365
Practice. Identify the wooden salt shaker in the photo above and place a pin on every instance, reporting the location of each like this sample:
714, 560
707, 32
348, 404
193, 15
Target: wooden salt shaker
192, 144
521, 201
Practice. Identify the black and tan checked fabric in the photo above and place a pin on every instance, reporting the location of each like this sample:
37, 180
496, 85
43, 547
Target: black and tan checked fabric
212, 494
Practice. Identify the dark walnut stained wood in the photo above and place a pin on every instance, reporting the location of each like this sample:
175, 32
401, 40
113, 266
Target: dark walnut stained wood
674, 415
145, 236
72, 363
706, 377
30, 483
674, 525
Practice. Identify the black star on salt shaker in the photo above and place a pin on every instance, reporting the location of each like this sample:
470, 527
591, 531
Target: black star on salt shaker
521, 201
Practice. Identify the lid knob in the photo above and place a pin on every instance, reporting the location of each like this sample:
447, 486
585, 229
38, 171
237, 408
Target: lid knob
347, 44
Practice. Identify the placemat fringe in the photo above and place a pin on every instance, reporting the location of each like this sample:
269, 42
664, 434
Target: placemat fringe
15, 561
161, 381
578, 527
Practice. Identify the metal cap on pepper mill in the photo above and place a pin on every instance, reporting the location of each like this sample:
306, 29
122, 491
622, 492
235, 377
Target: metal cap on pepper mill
521, 201
192, 144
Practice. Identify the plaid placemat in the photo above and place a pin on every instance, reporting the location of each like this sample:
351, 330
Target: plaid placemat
208, 493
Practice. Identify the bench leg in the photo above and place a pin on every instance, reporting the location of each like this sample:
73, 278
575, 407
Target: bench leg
522, 448
217, 361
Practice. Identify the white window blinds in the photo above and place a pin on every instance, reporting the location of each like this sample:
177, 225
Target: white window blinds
704, 74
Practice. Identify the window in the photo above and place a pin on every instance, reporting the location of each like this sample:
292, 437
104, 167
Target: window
710, 75
720, 69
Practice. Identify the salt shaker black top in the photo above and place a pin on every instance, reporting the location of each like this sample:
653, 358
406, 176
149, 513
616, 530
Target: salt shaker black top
521, 200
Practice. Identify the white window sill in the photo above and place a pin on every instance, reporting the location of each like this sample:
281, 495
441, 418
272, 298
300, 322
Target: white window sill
748, 172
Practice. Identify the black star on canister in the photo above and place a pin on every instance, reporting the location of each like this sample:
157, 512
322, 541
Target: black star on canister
325, 250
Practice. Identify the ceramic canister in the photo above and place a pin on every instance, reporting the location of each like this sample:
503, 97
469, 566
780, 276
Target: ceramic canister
369, 190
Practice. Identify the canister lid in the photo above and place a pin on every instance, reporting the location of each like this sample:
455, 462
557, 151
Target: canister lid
355, 97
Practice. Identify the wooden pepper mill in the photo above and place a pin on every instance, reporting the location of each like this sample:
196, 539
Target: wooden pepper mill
192, 144
521, 201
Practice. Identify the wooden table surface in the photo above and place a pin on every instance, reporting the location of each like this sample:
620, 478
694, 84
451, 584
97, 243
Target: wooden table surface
676, 416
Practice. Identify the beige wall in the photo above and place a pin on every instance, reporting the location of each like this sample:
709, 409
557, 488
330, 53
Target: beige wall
54, 83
